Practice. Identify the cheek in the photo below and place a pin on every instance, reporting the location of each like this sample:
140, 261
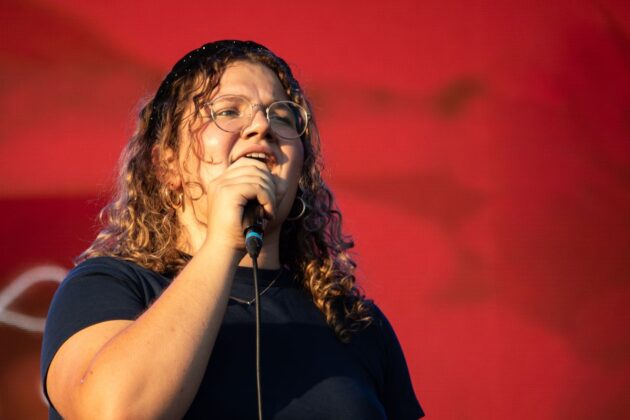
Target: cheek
213, 150
299, 162
215, 145
296, 159
214, 154
204, 159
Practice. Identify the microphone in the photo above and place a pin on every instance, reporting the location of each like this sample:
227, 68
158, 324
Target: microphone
253, 232
252, 220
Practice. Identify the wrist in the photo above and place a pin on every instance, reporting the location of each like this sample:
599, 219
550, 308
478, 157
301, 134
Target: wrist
220, 249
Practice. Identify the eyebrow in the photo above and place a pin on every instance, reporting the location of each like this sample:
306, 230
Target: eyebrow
273, 99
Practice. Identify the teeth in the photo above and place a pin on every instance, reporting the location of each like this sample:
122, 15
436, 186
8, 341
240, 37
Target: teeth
257, 155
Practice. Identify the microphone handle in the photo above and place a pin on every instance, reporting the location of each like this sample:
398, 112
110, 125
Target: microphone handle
253, 232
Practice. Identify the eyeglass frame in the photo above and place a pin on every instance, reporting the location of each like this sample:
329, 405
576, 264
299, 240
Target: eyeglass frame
264, 108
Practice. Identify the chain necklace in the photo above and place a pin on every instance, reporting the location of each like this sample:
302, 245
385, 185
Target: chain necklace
249, 302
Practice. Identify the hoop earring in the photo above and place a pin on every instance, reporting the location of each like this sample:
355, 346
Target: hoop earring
174, 199
181, 201
292, 215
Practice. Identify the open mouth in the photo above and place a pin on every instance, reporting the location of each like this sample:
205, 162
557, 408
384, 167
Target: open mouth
261, 157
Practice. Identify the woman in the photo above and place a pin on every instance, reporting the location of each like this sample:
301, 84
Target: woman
157, 319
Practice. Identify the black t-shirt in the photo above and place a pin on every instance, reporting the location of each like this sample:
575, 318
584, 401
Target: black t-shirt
307, 373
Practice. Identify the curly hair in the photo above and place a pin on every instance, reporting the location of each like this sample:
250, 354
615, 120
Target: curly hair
140, 223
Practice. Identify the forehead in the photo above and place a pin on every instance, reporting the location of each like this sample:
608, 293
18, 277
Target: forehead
255, 81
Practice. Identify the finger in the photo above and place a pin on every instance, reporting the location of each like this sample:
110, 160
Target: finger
246, 171
251, 175
244, 161
267, 198
246, 174
249, 188
262, 192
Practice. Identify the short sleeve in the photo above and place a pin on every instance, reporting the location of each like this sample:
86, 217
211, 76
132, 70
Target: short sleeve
398, 396
95, 291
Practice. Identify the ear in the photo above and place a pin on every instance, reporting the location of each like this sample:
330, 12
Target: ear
169, 174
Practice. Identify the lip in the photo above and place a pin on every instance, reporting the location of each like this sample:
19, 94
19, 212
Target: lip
258, 148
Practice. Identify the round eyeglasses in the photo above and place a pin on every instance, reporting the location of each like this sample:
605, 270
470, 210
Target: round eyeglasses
232, 113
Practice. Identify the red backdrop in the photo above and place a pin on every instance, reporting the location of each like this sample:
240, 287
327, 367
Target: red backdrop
479, 152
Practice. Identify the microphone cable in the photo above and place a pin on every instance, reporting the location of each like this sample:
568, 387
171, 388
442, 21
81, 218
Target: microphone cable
257, 312
253, 244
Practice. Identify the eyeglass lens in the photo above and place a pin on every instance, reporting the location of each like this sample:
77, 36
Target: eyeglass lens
286, 119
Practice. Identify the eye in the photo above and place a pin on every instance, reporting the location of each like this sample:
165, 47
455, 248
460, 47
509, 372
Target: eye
281, 114
286, 120
227, 113
229, 107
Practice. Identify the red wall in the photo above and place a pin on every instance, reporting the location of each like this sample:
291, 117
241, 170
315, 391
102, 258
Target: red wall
479, 152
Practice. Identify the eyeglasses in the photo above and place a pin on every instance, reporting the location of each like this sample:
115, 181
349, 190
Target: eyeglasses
233, 113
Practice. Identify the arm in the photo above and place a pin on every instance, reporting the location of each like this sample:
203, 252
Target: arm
152, 367
399, 397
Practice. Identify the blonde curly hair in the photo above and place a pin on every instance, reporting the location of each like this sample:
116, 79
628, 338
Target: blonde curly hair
140, 223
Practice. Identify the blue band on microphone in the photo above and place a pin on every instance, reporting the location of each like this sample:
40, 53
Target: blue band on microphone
255, 234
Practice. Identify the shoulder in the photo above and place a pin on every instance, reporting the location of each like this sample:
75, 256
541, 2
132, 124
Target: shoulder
392, 375
377, 342
98, 289
379, 328
379, 319
106, 282
112, 266
104, 279
111, 271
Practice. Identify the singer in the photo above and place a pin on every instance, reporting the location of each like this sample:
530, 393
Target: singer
157, 319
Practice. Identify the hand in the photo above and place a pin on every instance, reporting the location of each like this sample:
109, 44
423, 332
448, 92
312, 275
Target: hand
219, 216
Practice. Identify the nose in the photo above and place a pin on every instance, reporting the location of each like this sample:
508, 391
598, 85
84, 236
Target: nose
259, 126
